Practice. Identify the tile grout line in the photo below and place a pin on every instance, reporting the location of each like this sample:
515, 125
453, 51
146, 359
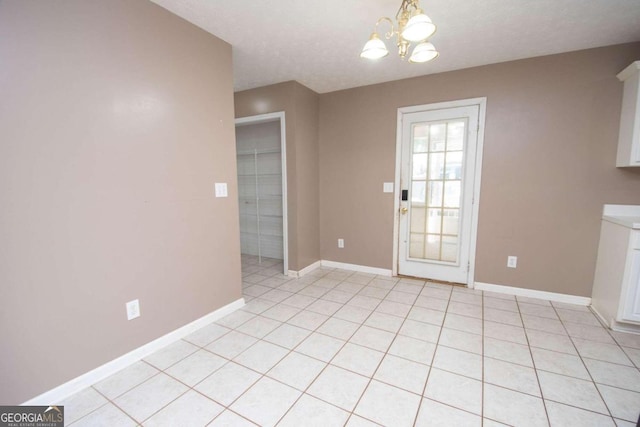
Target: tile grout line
203, 347
362, 323
228, 407
533, 361
352, 411
263, 375
314, 331
113, 400
132, 388
304, 392
109, 401
584, 365
426, 382
386, 352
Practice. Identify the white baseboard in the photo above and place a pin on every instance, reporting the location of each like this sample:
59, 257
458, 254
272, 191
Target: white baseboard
531, 293
358, 268
602, 318
341, 265
626, 327
308, 269
60, 393
614, 325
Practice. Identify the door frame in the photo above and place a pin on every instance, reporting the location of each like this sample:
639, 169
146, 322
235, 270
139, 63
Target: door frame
482, 106
272, 117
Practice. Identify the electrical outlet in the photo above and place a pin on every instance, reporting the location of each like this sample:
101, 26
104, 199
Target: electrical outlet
221, 189
133, 309
341, 243
512, 261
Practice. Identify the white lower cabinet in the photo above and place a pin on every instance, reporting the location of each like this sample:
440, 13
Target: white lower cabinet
616, 286
631, 308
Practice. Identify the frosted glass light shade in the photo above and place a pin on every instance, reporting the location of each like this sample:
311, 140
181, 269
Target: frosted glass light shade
423, 52
418, 28
374, 48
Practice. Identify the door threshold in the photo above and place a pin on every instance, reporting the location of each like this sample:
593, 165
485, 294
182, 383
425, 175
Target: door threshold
441, 282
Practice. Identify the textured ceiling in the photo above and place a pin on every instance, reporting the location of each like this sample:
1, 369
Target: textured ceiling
318, 42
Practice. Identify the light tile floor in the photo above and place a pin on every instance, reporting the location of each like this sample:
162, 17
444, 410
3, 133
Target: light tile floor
339, 348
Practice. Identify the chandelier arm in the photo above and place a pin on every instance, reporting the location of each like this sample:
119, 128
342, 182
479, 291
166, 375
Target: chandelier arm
406, 8
391, 32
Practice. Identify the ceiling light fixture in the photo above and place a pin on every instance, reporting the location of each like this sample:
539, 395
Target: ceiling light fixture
412, 26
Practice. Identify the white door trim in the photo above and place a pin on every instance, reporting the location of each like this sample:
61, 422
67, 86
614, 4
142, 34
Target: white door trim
270, 117
482, 104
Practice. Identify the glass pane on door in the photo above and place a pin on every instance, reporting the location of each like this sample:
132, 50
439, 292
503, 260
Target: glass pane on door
437, 158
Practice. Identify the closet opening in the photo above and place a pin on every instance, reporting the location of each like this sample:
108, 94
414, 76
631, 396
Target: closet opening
262, 189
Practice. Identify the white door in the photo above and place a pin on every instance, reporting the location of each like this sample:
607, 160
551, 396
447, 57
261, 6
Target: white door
438, 161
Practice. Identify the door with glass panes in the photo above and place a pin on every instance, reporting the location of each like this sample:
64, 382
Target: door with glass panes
437, 172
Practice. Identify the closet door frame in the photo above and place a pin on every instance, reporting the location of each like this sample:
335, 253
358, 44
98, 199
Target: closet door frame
272, 117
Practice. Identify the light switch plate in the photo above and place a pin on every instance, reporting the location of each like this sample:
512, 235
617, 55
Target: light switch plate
512, 261
387, 187
221, 189
133, 309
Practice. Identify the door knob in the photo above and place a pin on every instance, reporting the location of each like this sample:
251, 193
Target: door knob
403, 210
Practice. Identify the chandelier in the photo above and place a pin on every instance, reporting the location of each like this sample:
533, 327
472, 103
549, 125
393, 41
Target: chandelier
412, 26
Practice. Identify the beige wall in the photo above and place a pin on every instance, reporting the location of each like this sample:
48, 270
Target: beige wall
549, 165
301, 107
306, 103
116, 119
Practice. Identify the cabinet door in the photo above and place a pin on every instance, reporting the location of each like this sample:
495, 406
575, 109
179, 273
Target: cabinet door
631, 310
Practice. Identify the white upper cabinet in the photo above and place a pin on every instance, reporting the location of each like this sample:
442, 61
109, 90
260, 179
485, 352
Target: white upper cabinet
629, 138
